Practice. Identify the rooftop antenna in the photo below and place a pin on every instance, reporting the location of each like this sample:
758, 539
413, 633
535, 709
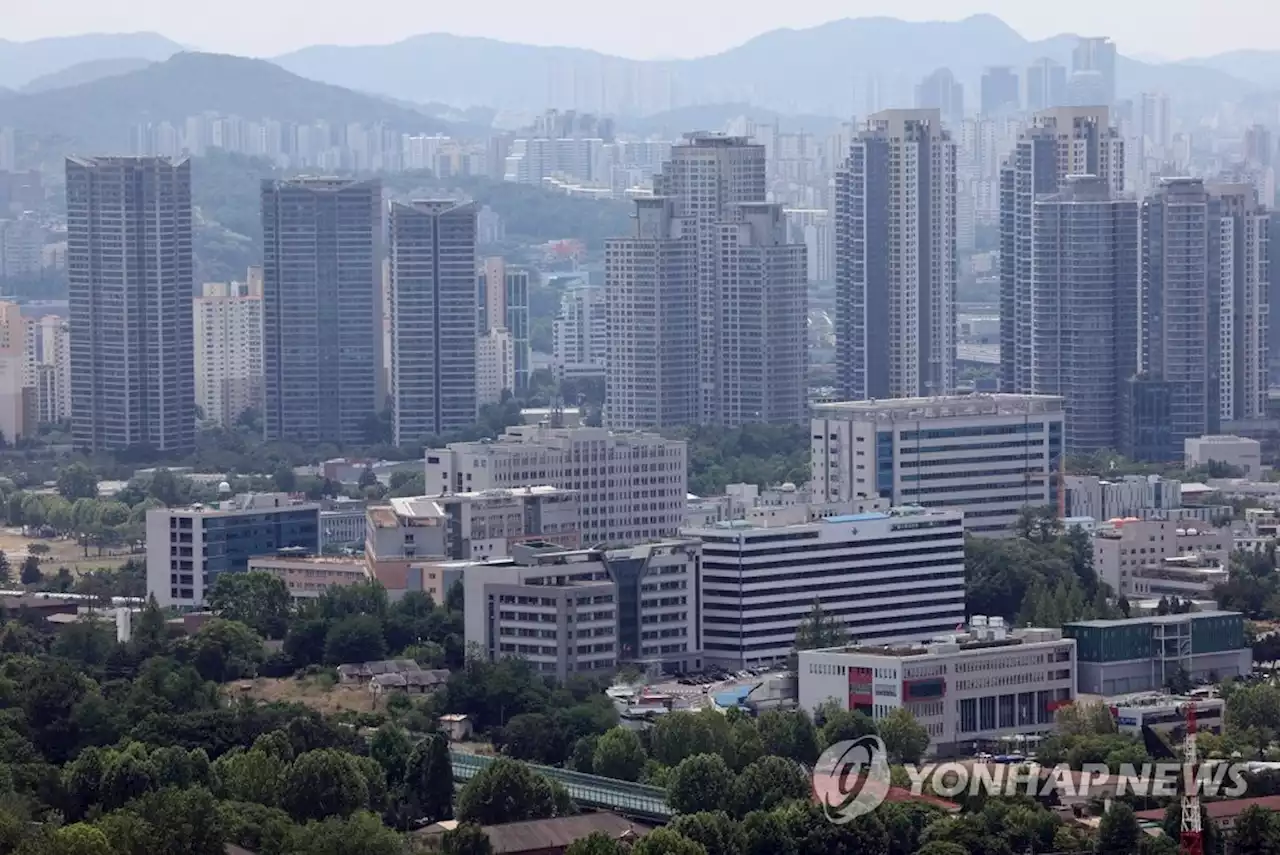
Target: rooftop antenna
557, 412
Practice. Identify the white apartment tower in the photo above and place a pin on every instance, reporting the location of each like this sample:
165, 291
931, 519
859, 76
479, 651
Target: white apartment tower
1060, 142
651, 284
14, 418
1244, 228
433, 318
763, 285
48, 367
579, 334
896, 259
228, 350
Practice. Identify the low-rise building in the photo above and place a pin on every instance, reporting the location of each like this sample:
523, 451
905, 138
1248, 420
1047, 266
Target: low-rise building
1141, 496
1154, 558
1165, 713
1118, 657
187, 548
987, 455
984, 687
309, 576
572, 611
888, 576
342, 523
1236, 451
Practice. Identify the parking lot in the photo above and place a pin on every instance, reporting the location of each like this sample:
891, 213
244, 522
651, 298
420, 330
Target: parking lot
695, 687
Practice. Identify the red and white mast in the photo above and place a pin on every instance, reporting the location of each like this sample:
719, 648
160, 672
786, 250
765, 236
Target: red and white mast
1192, 835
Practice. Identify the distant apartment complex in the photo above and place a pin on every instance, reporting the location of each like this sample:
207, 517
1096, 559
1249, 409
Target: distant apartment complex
887, 576
986, 455
48, 370
631, 487
322, 348
187, 548
228, 350
580, 340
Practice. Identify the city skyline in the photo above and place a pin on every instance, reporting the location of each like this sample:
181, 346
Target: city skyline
1170, 31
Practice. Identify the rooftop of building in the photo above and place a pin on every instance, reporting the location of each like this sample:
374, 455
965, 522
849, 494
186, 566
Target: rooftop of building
284, 557
1158, 700
1151, 619
786, 521
520, 435
434, 506
942, 406
982, 634
247, 503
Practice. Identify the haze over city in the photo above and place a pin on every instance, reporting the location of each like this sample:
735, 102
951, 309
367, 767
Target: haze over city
1172, 29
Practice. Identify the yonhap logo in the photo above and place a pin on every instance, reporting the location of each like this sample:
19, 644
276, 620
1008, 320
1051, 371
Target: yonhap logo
851, 778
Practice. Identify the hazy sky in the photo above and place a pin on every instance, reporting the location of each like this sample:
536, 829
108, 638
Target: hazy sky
1168, 28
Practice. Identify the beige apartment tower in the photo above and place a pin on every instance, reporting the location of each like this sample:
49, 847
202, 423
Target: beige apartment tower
228, 350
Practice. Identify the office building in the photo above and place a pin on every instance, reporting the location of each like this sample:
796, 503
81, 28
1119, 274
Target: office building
1116, 657
579, 334
886, 576
1166, 714
652, 311
1154, 558
1059, 142
896, 259
1084, 291
310, 576
322, 346
1238, 452
1139, 496
342, 522
17, 415
21, 247
433, 332
986, 687
228, 350
589, 610
942, 92
764, 288
706, 175
1000, 93
869, 449
631, 486
1093, 71
1046, 85
187, 548
132, 377
48, 369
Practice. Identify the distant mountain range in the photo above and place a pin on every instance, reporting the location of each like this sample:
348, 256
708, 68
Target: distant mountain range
85, 72
23, 62
97, 116
823, 70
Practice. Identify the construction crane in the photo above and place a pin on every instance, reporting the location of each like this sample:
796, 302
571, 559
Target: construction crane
1191, 837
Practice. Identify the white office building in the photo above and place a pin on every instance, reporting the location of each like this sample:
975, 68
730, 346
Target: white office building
986, 455
985, 688
575, 611
631, 487
889, 576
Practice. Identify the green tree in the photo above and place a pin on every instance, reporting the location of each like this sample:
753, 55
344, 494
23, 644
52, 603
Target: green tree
664, 841
128, 775
905, 739
284, 479
467, 839
77, 481
1118, 833
716, 832
390, 746
819, 630
428, 780
323, 783
361, 833
31, 571
942, 847
595, 843
619, 754
766, 835
6, 572
506, 791
224, 650
767, 783
81, 839
1256, 832
700, 783
789, 733
353, 639
840, 725
249, 776
258, 600
184, 821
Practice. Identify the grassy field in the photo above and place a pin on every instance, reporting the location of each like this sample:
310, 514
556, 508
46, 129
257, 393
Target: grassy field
318, 693
62, 553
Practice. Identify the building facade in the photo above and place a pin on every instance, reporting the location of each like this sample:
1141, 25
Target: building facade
48, 369
888, 577
130, 278
631, 486
17, 399
986, 455
228, 351
433, 331
579, 334
896, 259
187, 548
322, 345
980, 688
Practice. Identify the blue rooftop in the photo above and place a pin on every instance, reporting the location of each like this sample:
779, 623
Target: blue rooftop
733, 697
850, 518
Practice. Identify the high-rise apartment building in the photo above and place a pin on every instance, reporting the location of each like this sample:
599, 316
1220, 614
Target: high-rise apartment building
129, 267
228, 350
942, 92
707, 174
764, 366
48, 369
433, 318
17, 418
1095, 56
1046, 85
1060, 142
1000, 93
896, 259
322, 348
652, 311
632, 487
579, 335
1244, 226
1085, 258
495, 366
503, 305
